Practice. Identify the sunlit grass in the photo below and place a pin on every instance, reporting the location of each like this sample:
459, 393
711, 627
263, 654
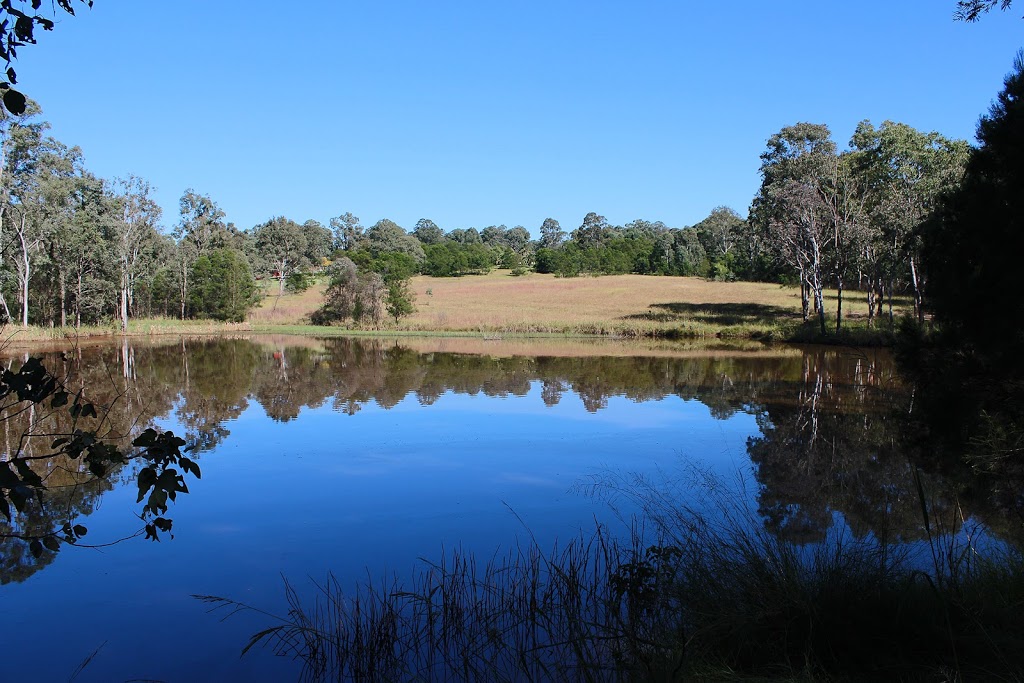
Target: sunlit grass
497, 305
618, 305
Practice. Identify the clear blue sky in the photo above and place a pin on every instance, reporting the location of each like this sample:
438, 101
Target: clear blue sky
481, 113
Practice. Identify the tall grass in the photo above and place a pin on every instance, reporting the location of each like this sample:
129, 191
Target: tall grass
699, 593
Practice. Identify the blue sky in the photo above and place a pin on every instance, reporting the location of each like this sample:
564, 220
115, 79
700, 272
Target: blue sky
480, 113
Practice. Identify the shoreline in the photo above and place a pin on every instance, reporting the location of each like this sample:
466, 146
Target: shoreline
19, 338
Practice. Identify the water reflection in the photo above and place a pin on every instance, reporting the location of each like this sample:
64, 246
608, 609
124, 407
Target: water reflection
830, 420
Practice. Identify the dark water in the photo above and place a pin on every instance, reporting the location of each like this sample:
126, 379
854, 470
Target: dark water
358, 457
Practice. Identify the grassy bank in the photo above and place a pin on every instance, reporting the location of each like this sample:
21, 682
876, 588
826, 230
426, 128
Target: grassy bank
620, 305
498, 305
712, 597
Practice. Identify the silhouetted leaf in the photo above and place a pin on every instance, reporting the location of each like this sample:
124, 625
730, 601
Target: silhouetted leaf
146, 479
11, 74
51, 543
29, 477
8, 479
60, 399
36, 548
145, 439
80, 530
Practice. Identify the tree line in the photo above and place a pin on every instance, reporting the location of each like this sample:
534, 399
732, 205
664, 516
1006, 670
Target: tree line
78, 249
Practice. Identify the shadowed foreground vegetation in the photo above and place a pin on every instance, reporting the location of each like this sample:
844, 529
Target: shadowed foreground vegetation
715, 597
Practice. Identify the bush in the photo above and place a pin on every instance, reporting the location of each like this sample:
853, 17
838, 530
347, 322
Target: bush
298, 282
222, 287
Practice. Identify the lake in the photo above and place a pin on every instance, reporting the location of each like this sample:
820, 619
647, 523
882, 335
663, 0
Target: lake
357, 457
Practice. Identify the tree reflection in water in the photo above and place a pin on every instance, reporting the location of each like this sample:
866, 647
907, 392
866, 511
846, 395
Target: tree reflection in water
832, 421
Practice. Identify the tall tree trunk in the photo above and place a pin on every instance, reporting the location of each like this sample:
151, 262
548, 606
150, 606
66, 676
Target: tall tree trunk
918, 298
78, 302
124, 307
63, 285
805, 304
839, 304
871, 304
26, 273
184, 289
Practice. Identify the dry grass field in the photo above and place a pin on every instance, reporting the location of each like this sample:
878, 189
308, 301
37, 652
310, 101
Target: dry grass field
492, 306
619, 305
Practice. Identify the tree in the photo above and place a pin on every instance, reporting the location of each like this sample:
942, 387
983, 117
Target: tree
594, 230
136, 226
465, 236
283, 244
387, 236
347, 231
902, 172
37, 171
427, 232
318, 242
972, 244
551, 234
200, 230
399, 299
492, 235
790, 204
81, 247
222, 286
202, 222
352, 294
971, 10
720, 234
518, 240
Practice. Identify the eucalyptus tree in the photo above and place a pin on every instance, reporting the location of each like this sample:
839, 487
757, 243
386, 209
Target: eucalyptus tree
465, 236
517, 239
135, 228
493, 235
347, 231
721, 234
284, 245
843, 198
319, 242
200, 229
81, 247
903, 172
551, 234
790, 205
37, 169
427, 232
594, 230
387, 236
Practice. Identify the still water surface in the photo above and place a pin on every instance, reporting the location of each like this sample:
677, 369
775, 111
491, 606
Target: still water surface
358, 457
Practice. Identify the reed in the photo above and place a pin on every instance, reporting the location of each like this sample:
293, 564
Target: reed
699, 592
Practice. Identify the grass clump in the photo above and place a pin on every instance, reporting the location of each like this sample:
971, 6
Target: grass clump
715, 597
